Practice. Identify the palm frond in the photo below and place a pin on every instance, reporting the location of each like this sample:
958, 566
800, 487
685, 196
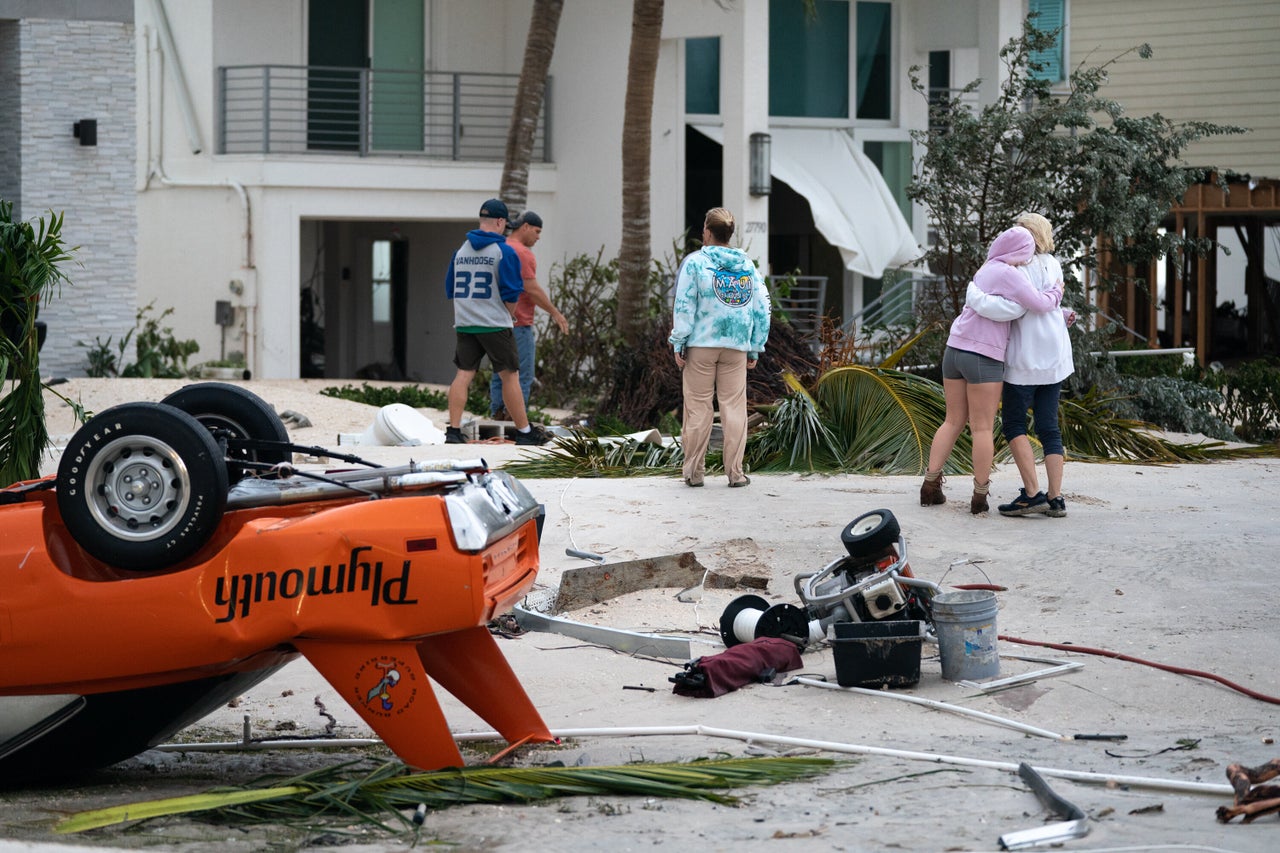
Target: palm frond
348, 791
885, 419
797, 437
1091, 431
583, 454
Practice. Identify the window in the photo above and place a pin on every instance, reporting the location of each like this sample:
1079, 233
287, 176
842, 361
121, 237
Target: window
1052, 17
809, 59
702, 76
875, 86
381, 278
893, 159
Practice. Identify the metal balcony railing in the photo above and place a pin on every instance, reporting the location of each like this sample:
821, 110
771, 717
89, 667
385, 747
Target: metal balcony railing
296, 109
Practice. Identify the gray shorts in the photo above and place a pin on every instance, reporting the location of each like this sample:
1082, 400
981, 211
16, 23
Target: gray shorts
971, 367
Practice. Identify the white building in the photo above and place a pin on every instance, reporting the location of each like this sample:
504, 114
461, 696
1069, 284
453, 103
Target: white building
291, 176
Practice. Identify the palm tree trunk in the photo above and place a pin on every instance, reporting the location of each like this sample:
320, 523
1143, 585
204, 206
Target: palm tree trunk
634, 257
539, 47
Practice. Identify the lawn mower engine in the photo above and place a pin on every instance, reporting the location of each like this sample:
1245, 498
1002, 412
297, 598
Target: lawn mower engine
871, 583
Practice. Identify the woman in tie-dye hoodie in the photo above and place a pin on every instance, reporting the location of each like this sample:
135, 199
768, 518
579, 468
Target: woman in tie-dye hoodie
719, 328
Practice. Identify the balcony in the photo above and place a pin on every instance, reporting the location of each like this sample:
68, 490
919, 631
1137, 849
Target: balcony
297, 109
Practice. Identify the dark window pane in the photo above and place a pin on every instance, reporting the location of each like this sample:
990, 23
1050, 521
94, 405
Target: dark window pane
875, 41
809, 59
702, 76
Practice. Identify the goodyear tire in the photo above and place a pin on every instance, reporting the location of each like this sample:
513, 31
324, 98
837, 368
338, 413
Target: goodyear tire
870, 533
243, 414
142, 486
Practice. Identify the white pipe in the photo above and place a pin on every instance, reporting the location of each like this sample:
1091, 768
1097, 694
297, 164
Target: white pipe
940, 706
852, 748
180, 80
754, 737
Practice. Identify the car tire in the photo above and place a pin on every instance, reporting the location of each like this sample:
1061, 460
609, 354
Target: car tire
142, 486
871, 533
243, 414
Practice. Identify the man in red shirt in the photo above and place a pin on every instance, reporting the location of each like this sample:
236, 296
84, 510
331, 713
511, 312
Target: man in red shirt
525, 233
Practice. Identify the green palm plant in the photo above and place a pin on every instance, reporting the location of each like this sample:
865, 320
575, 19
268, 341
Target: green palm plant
29, 275
356, 793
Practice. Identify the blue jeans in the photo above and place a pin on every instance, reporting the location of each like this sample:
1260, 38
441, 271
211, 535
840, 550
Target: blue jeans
1043, 401
527, 345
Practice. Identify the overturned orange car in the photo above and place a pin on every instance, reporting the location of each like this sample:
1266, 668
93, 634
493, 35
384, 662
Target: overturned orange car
177, 558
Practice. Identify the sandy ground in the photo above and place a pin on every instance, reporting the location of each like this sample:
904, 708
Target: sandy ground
1175, 565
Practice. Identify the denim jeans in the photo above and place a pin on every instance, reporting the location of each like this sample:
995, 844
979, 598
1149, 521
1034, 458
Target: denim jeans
527, 345
1043, 400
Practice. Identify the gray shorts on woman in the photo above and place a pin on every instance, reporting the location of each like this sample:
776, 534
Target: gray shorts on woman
971, 367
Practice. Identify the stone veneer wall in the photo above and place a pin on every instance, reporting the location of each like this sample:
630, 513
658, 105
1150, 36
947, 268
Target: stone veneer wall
68, 70
10, 103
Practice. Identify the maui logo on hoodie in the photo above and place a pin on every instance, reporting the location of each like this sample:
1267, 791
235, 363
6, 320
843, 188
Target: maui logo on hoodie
732, 288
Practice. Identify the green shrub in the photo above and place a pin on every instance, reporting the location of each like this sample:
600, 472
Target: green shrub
1249, 399
424, 398
157, 353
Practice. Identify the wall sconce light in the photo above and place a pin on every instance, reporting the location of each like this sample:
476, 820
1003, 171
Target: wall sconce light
86, 130
761, 180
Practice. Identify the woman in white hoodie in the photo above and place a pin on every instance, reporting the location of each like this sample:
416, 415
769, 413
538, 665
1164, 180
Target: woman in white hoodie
1037, 360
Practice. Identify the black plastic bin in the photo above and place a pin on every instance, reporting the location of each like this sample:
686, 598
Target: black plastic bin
878, 654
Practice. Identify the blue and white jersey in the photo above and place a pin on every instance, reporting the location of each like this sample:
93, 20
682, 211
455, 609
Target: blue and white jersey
483, 274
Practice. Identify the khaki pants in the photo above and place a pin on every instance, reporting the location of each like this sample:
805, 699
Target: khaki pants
723, 372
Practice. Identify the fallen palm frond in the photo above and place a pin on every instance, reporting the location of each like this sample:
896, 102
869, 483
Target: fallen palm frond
797, 437
1092, 432
583, 454
886, 419
350, 793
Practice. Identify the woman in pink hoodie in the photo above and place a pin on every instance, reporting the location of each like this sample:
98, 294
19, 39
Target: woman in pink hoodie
973, 366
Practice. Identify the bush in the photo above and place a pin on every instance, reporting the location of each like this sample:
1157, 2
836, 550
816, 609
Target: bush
158, 354
1248, 398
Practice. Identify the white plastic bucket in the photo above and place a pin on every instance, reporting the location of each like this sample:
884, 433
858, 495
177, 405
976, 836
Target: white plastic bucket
966, 624
399, 425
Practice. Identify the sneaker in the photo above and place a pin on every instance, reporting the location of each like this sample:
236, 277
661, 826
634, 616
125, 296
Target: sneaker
535, 436
1057, 507
453, 435
1024, 505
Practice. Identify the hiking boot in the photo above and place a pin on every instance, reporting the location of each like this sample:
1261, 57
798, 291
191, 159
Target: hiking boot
1024, 505
978, 503
500, 414
1057, 507
535, 436
453, 435
931, 492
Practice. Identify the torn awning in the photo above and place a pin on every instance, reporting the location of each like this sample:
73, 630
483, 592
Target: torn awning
851, 204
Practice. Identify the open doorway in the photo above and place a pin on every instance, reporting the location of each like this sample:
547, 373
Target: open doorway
373, 304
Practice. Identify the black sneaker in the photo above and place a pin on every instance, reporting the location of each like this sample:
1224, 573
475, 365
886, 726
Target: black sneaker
535, 436
453, 435
1023, 505
1057, 507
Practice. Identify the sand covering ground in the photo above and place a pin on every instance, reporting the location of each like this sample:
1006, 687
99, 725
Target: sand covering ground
1170, 564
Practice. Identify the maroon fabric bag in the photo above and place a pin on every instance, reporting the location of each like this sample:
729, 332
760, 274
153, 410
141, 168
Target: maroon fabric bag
758, 660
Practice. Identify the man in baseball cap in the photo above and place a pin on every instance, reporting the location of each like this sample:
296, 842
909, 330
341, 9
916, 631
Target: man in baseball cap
494, 208
484, 282
526, 230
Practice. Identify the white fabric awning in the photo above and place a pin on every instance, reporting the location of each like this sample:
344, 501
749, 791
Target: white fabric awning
851, 204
